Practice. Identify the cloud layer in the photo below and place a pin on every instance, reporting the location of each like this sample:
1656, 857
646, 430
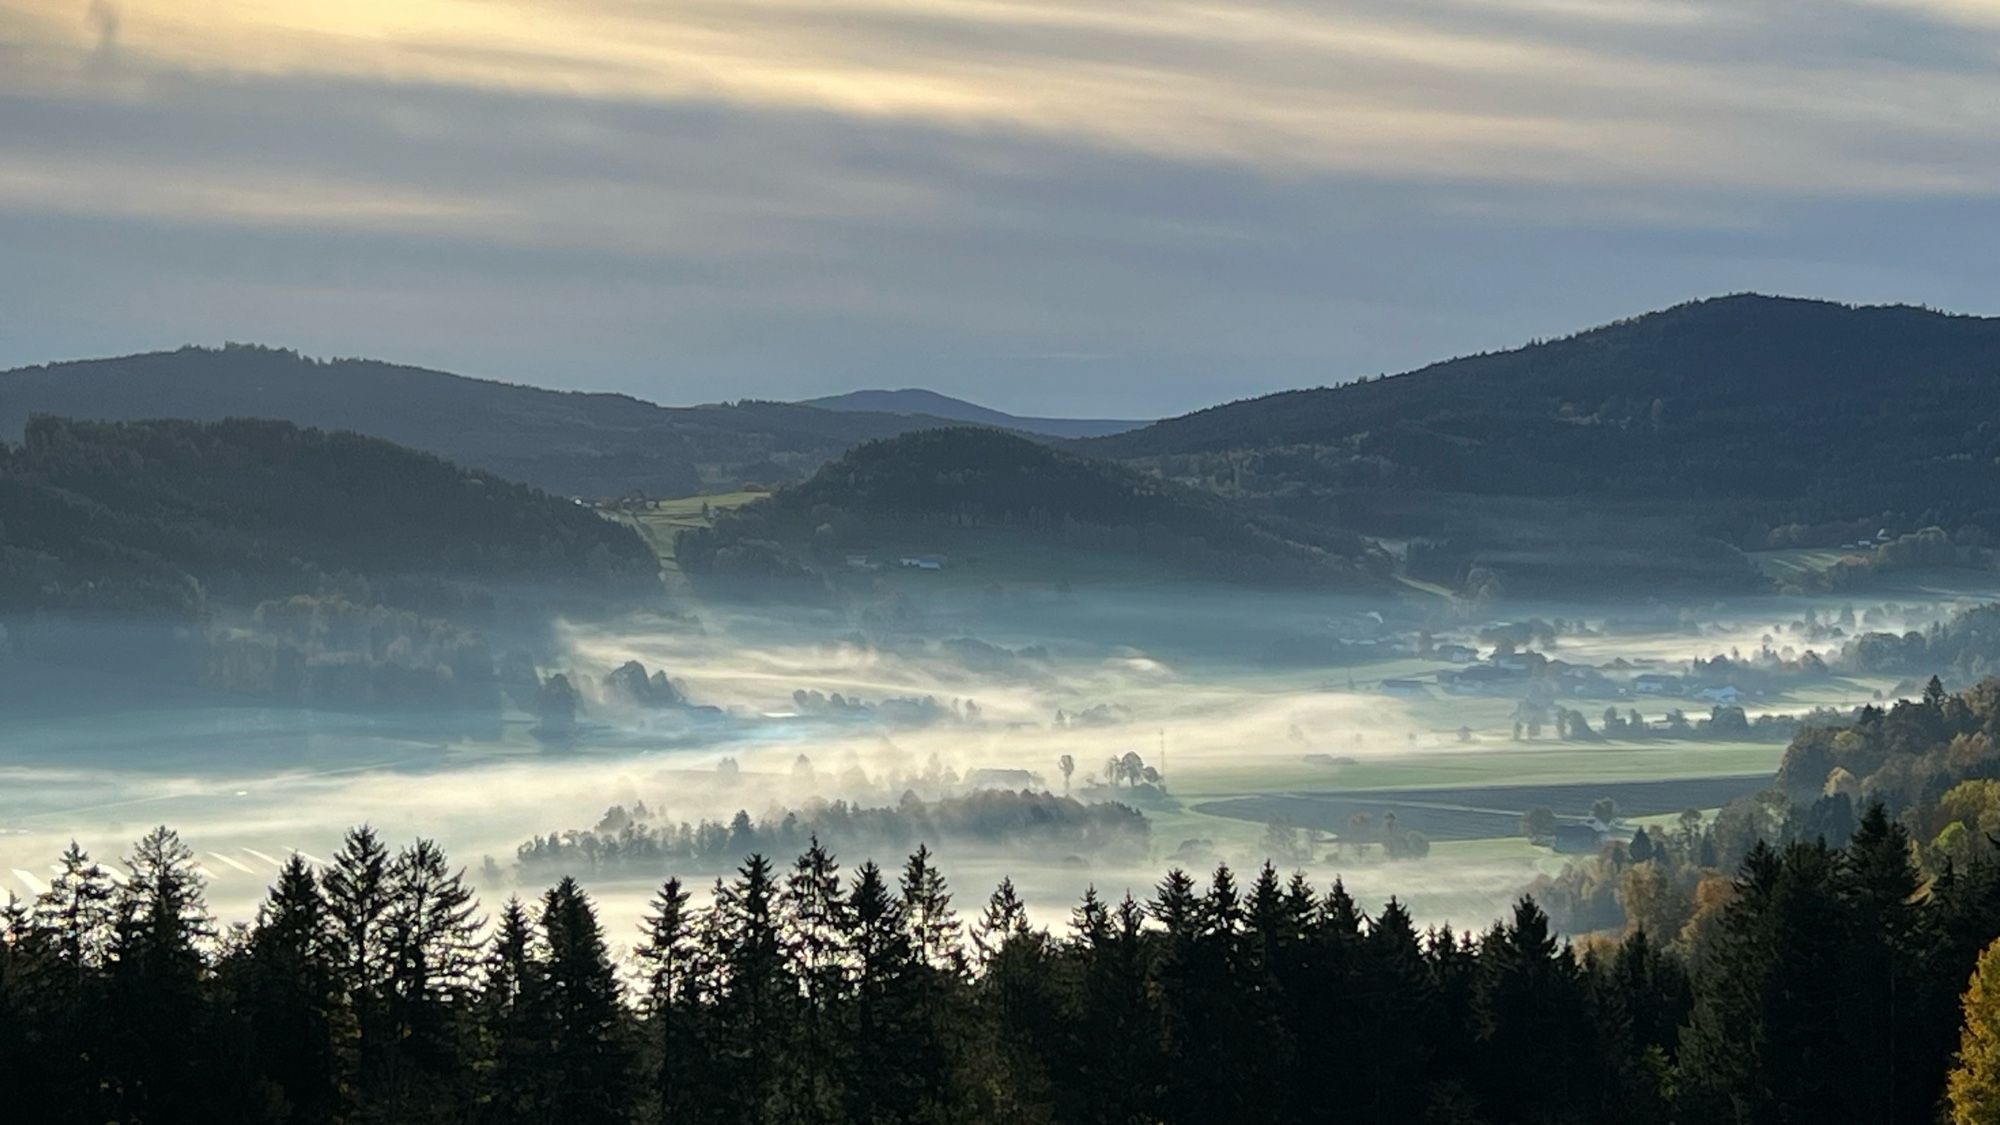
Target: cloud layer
1048, 204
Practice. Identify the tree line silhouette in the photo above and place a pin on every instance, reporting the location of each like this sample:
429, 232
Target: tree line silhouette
373, 990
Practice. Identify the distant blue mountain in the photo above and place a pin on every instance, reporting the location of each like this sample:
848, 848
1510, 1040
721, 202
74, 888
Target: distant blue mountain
917, 401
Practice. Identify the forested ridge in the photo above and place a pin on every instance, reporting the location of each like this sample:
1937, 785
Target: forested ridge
1821, 981
571, 442
1632, 452
1746, 398
959, 479
1647, 453
914, 400
168, 517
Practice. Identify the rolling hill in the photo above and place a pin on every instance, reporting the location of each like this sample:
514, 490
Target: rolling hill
923, 403
971, 492
571, 443
1748, 421
170, 519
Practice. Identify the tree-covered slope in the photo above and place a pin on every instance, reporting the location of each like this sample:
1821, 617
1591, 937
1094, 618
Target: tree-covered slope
1762, 411
572, 443
949, 483
172, 515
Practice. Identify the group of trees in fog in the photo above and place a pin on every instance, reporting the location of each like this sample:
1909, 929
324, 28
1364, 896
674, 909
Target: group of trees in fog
332, 653
1825, 987
1965, 648
1724, 722
1031, 823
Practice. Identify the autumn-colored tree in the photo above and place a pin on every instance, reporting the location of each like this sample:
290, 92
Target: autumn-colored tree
1974, 1086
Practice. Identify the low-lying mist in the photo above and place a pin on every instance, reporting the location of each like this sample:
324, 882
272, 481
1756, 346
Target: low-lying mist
1181, 703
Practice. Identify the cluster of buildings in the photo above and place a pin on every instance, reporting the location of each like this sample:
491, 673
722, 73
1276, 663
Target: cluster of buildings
904, 562
1520, 674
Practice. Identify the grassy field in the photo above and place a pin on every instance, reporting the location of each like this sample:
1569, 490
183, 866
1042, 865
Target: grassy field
1456, 792
1483, 812
667, 518
1553, 763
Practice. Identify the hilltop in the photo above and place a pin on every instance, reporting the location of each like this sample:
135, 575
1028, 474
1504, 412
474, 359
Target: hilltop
568, 442
1741, 421
985, 493
926, 403
174, 518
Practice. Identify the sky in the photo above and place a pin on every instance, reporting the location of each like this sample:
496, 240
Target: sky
1125, 209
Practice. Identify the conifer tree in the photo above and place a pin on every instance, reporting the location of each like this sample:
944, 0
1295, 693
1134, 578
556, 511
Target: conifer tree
754, 1013
1117, 1037
289, 996
514, 1016
673, 1004
926, 904
1533, 1024
1896, 1069
896, 1059
77, 915
161, 1021
1390, 1004
356, 886
1004, 918
817, 929
589, 1068
1018, 1005
431, 929
59, 951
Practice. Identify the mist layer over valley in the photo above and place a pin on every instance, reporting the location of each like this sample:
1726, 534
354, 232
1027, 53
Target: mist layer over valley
1312, 730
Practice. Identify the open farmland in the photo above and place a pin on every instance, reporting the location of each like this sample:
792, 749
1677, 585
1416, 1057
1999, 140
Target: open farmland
659, 523
1481, 813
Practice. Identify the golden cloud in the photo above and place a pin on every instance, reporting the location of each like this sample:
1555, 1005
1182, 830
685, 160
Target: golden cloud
1518, 89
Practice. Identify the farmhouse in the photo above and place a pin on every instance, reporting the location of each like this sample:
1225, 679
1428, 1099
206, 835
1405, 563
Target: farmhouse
1727, 694
1403, 687
1457, 653
1481, 679
1002, 779
1656, 683
1578, 838
922, 562
1580, 681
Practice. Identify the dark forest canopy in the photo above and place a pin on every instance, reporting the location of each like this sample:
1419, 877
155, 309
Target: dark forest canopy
371, 989
1761, 421
572, 443
1812, 409
170, 517
947, 486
